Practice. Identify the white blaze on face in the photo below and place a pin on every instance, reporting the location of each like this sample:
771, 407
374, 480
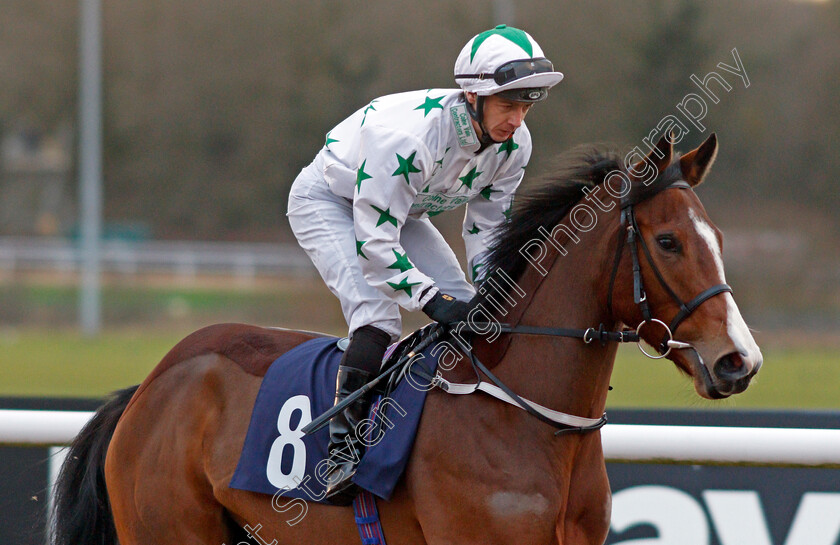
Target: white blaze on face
736, 328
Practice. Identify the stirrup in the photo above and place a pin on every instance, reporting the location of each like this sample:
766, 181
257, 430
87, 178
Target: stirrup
340, 489
343, 492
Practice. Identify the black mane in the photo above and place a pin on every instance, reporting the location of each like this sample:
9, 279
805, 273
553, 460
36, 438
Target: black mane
547, 202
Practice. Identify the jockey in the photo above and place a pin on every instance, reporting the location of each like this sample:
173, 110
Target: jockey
361, 210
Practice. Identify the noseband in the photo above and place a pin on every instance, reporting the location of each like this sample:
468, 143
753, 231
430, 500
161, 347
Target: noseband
634, 240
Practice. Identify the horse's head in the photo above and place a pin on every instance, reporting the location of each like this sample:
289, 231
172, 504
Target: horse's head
681, 284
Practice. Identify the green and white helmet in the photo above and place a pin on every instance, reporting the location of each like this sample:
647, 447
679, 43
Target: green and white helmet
508, 62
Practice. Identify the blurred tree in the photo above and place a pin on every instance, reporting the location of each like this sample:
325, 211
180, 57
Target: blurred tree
210, 113
667, 49
38, 62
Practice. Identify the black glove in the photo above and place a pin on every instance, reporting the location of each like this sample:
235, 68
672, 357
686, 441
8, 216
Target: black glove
446, 309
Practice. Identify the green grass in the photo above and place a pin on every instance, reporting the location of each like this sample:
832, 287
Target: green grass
63, 363
790, 378
66, 364
41, 353
167, 304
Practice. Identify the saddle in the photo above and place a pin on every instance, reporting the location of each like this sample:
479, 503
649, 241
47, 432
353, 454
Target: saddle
300, 385
278, 458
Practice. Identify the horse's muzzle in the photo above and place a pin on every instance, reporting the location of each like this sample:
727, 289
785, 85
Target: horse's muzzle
731, 374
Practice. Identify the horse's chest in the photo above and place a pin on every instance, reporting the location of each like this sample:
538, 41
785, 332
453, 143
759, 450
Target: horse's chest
510, 504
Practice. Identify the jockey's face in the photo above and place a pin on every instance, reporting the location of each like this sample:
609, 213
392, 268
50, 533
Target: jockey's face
501, 116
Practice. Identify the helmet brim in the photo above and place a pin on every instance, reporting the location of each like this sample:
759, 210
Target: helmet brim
524, 94
543, 79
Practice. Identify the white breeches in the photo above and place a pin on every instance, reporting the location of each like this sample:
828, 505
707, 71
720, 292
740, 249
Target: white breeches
323, 225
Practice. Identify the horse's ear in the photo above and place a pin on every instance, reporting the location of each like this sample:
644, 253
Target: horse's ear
659, 158
696, 163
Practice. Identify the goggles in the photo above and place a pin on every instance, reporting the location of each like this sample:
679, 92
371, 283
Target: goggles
513, 70
525, 94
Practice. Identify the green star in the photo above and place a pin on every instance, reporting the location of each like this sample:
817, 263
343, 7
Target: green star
402, 263
361, 176
475, 270
329, 140
359, 252
469, 178
385, 216
404, 285
488, 191
367, 109
475, 230
426, 189
513, 34
506, 213
406, 166
430, 104
435, 213
440, 161
508, 145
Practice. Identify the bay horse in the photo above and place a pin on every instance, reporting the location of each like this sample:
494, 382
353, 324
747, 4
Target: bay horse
153, 465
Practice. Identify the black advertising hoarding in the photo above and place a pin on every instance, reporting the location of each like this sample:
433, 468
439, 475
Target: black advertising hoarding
653, 504
660, 504
704, 505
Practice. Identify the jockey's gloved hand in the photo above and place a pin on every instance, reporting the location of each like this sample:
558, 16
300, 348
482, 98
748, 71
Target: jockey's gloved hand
446, 309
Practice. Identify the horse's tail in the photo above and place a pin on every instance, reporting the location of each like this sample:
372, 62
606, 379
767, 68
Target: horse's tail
81, 509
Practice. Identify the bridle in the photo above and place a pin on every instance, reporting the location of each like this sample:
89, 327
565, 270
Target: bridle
630, 235
634, 240
563, 422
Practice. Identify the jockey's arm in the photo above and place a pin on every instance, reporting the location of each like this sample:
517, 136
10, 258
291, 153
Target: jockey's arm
391, 169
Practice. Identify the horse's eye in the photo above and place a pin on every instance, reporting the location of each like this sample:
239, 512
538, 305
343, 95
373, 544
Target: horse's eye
669, 243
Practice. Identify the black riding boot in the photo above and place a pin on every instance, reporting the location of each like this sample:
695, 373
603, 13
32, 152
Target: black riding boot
361, 359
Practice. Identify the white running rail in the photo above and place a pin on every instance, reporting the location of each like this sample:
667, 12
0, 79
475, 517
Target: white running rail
182, 258
622, 442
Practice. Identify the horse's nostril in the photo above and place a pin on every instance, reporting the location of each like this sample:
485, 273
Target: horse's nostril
730, 367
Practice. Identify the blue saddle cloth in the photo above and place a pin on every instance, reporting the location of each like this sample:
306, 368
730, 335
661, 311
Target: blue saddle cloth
299, 386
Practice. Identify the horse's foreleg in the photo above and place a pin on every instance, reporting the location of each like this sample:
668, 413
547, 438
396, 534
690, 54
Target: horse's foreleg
586, 520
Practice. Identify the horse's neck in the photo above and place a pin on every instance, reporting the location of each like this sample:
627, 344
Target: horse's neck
565, 374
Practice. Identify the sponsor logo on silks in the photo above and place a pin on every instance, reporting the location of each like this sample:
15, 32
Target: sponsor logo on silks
435, 203
463, 125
